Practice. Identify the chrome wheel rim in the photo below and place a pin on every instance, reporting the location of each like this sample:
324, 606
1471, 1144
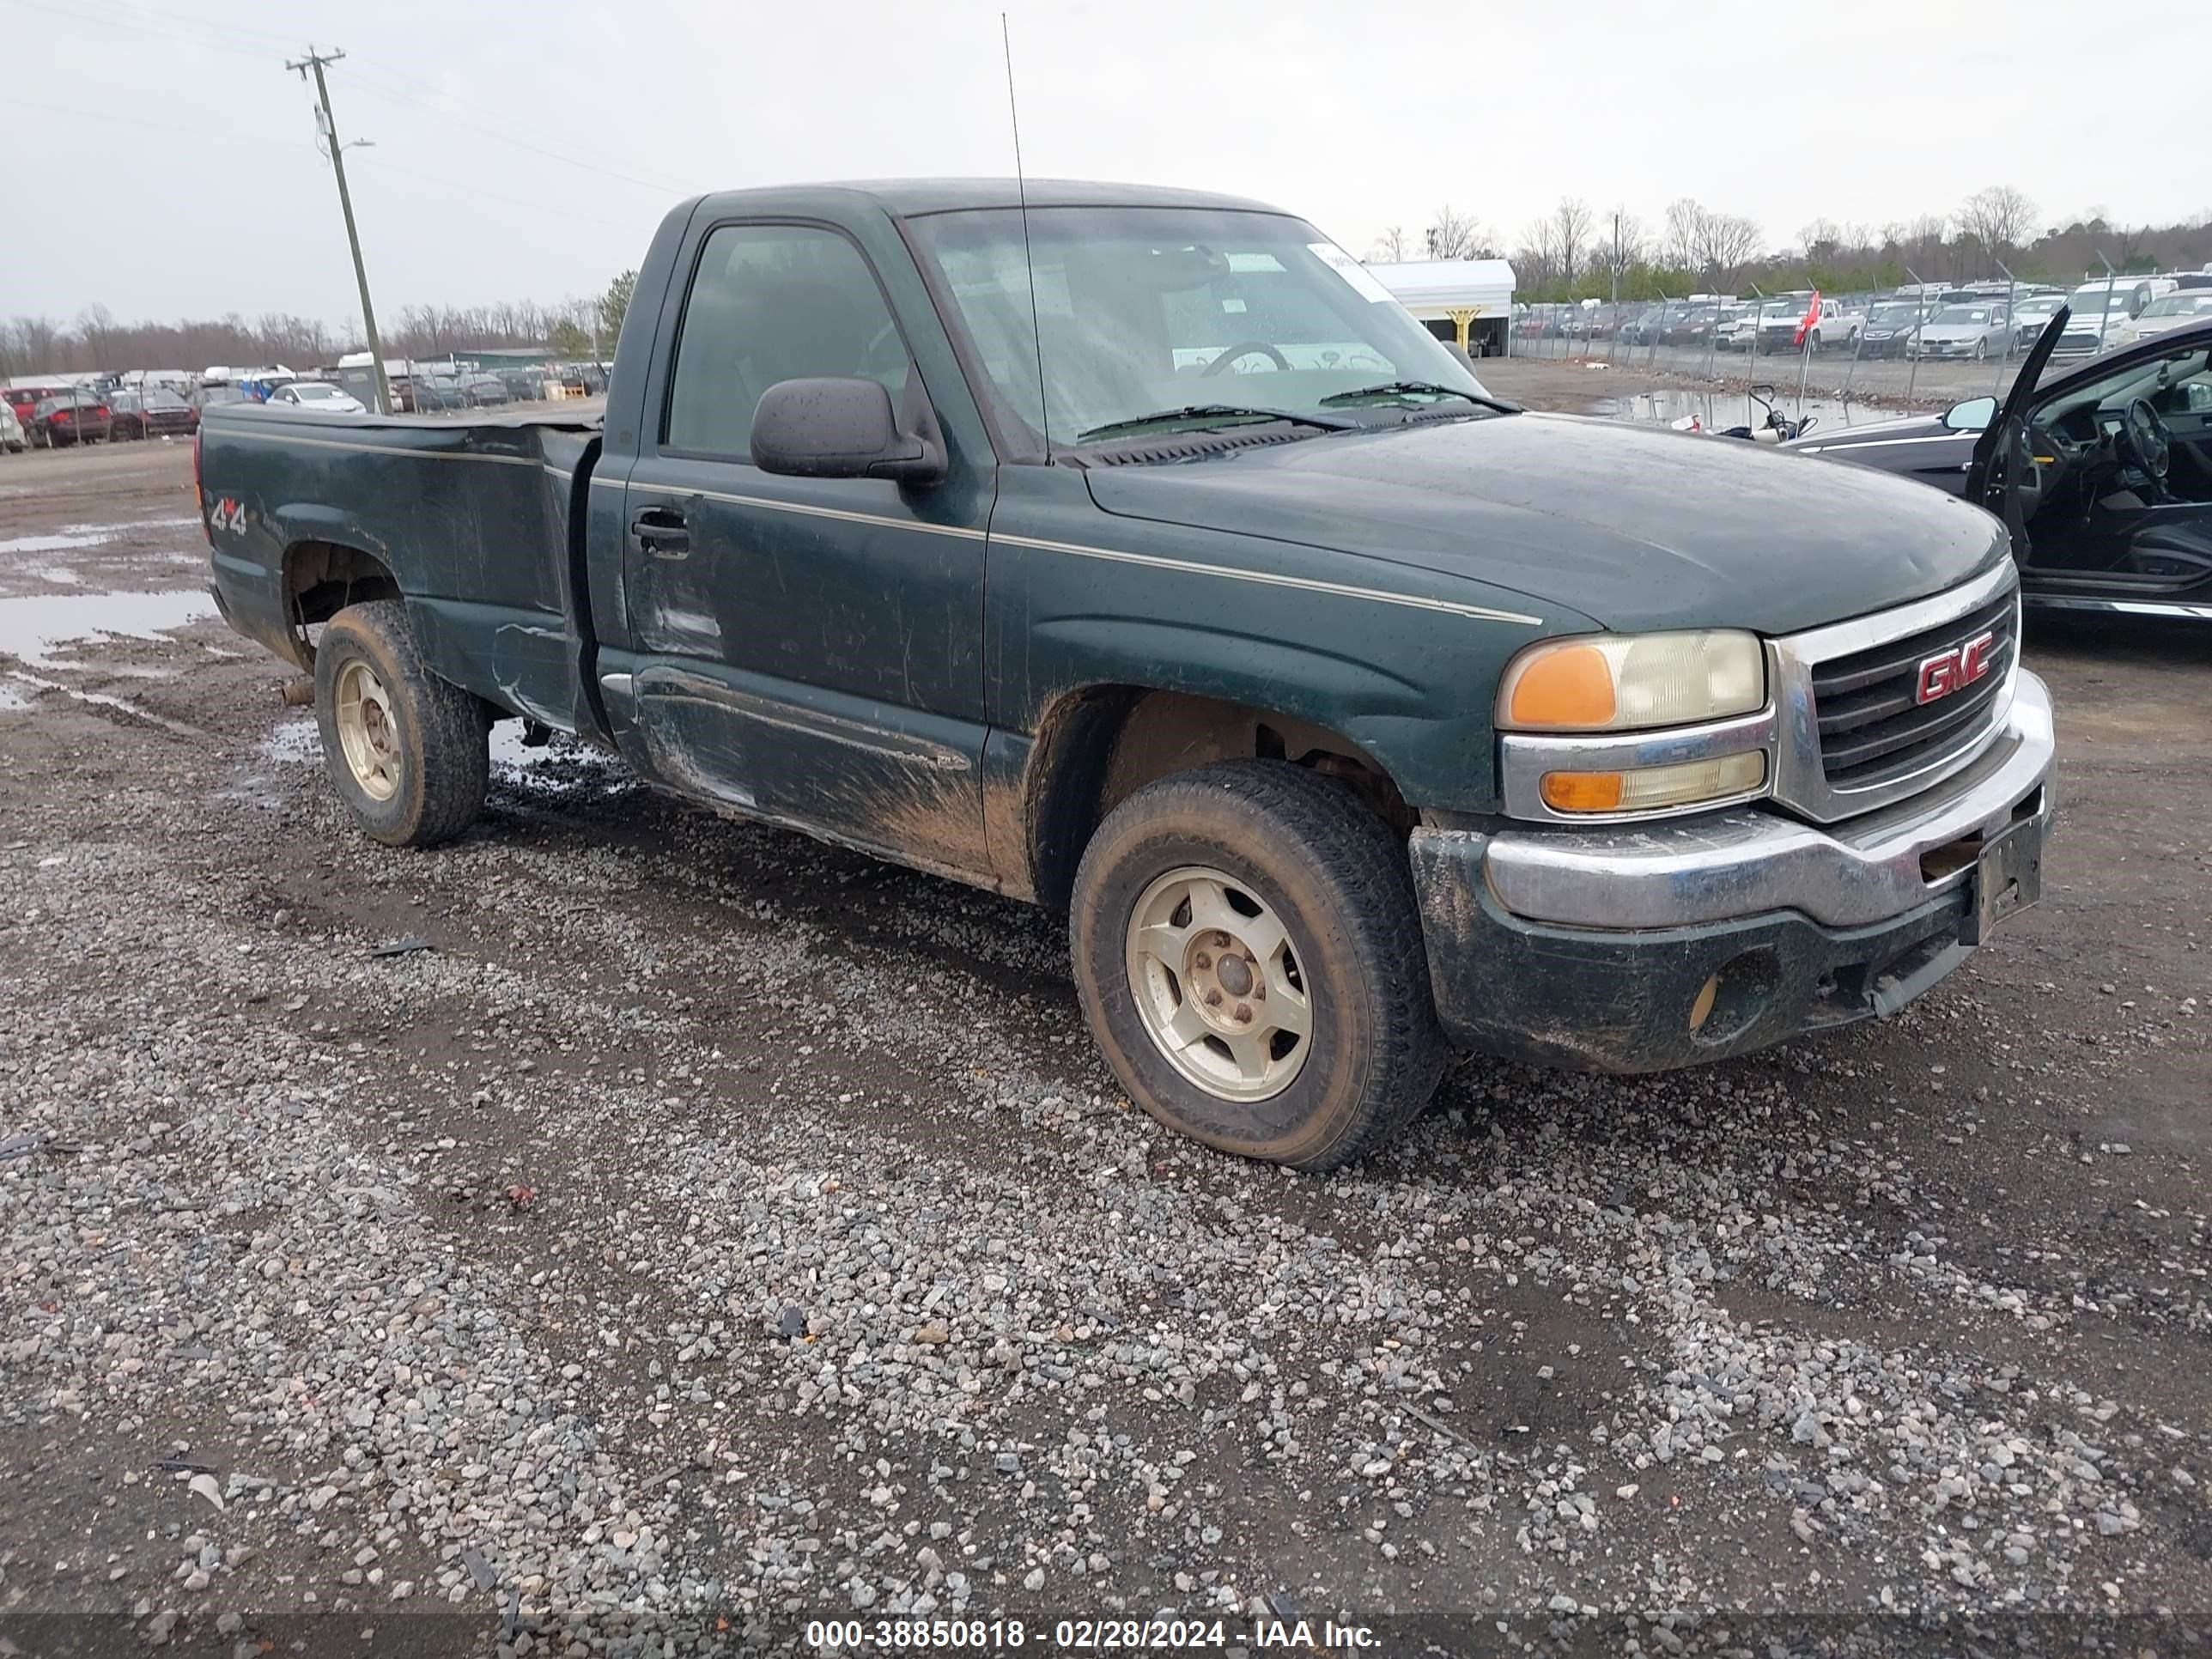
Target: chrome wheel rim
1218, 985
368, 732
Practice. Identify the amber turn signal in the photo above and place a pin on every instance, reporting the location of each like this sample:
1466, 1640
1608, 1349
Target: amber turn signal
1647, 788
1582, 792
1569, 687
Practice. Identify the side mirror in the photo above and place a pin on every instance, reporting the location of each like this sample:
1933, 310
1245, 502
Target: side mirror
1972, 415
844, 429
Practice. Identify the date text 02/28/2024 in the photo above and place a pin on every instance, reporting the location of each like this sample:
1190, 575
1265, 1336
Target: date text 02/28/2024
1079, 1635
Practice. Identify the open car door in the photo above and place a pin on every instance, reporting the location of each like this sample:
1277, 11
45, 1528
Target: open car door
2007, 436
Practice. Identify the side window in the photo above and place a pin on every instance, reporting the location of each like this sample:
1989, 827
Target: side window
773, 303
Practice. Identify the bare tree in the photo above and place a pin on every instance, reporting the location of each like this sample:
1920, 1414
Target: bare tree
38, 340
1571, 225
1821, 238
95, 328
1998, 217
1390, 247
1725, 244
1454, 236
1536, 261
1680, 240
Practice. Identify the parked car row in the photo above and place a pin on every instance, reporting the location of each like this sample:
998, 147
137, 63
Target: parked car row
55, 416
1970, 320
61, 412
461, 392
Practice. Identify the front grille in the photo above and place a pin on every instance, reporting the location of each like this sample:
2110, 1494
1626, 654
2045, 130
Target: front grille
1871, 730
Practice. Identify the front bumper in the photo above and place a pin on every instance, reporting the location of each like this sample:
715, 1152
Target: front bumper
1640, 949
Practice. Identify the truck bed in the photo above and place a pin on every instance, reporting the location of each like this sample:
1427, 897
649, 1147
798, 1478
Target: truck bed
472, 520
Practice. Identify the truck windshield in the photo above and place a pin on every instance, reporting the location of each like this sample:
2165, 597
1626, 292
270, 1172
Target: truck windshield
1146, 309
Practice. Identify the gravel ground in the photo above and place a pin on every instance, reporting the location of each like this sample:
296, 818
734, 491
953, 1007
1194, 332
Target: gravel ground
694, 1231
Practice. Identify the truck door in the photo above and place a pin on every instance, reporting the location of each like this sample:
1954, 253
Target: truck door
808, 651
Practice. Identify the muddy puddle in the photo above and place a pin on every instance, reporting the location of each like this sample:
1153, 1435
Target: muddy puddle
48, 630
70, 536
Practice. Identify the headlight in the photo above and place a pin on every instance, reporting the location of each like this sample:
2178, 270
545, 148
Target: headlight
1632, 682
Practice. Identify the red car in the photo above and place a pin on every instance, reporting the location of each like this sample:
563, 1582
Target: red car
153, 414
71, 418
25, 398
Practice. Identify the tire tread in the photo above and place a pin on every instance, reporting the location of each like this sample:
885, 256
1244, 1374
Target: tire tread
1365, 859
453, 763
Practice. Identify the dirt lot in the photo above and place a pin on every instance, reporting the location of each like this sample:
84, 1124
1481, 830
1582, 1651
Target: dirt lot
710, 1230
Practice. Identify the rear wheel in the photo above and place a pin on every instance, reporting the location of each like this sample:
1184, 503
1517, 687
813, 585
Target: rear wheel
1248, 956
409, 752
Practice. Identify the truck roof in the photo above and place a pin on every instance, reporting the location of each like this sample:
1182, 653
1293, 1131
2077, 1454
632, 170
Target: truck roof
908, 197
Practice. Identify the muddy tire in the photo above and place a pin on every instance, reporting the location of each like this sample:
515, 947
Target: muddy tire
1247, 953
409, 753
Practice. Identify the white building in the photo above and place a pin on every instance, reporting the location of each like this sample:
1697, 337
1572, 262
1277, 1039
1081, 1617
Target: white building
1469, 302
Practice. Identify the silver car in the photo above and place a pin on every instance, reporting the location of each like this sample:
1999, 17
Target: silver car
1978, 329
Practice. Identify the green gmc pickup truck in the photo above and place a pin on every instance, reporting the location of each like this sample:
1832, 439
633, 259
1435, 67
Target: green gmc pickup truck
1138, 555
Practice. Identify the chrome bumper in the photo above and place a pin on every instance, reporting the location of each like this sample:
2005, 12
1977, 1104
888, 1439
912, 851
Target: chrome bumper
1753, 861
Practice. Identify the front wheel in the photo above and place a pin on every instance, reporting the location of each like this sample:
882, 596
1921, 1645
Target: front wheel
1981, 350
1248, 956
409, 753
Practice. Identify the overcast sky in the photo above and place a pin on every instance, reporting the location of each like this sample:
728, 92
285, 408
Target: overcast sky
162, 160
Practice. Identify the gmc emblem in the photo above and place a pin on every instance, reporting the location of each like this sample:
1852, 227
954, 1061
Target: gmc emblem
1954, 670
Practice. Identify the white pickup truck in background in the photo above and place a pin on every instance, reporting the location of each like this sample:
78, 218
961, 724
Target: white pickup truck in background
1833, 324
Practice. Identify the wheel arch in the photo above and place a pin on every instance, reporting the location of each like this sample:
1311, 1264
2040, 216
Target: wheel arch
1096, 745
322, 576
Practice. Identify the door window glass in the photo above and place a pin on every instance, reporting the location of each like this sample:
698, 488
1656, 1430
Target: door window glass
774, 303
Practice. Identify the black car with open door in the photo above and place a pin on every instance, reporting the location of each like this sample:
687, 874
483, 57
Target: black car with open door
2103, 473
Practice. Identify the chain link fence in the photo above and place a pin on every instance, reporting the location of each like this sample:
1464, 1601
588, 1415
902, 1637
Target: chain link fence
1878, 347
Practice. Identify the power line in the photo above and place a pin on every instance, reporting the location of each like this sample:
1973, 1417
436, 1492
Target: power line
384, 164
417, 102
81, 15
406, 87
124, 7
397, 91
196, 131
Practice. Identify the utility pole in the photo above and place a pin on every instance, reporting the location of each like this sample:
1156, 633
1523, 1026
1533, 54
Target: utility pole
315, 61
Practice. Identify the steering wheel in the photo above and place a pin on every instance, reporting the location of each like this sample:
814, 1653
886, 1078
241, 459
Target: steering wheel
1243, 349
2146, 438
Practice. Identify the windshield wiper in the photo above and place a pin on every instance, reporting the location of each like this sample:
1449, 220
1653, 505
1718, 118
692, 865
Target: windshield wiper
1400, 388
1214, 412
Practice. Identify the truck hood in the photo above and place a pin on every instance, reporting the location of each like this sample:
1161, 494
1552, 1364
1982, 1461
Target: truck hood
1635, 527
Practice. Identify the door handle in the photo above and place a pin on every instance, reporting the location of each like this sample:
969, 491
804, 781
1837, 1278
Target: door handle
661, 532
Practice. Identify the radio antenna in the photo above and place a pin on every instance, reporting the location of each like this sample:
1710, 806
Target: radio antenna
1029, 255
